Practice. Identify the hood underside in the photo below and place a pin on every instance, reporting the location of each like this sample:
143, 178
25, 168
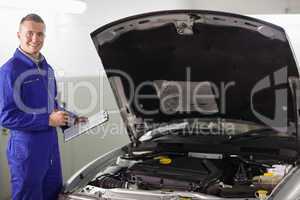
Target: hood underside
190, 64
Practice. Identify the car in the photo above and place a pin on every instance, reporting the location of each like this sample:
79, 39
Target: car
210, 101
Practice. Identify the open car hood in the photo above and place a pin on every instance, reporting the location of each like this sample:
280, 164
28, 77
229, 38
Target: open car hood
193, 64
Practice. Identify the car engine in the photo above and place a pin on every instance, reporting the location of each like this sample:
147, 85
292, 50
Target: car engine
229, 176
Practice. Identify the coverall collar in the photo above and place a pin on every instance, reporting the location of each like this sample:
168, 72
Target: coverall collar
39, 60
26, 58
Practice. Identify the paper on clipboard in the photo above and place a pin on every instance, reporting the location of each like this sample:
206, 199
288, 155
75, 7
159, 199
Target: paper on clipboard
79, 129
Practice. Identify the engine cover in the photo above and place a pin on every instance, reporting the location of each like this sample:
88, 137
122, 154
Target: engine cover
183, 173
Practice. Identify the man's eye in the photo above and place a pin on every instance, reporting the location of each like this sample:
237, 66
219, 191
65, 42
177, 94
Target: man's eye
29, 34
41, 34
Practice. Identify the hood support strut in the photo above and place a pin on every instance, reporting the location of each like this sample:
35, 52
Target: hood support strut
128, 116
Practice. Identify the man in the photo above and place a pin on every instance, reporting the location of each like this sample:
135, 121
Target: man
29, 109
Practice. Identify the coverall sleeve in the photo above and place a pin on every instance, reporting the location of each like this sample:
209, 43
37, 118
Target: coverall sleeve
11, 116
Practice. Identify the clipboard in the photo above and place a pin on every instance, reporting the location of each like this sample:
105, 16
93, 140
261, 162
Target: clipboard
95, 120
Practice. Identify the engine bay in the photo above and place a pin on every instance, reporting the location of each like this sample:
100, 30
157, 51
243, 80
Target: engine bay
230, 176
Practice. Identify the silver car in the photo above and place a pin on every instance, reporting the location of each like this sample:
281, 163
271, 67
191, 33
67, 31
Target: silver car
210, 101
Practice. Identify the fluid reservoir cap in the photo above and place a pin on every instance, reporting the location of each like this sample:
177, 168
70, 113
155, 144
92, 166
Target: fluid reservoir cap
165, 161
269, 174
185, 198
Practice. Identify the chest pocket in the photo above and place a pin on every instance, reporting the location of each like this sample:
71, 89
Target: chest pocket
34, 93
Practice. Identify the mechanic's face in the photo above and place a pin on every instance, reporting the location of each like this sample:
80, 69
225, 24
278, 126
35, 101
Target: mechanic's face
31, 36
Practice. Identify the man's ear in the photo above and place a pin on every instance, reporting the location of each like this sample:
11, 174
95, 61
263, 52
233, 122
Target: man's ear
18, 34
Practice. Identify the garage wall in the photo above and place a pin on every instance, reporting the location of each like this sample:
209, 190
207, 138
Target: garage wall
4, 177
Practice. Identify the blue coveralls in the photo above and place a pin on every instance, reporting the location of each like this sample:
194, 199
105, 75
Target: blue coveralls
27, 97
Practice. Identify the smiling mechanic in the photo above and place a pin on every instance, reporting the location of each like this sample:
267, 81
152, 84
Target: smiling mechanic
29, 109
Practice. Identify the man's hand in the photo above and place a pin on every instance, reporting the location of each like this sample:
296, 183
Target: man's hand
58, 118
